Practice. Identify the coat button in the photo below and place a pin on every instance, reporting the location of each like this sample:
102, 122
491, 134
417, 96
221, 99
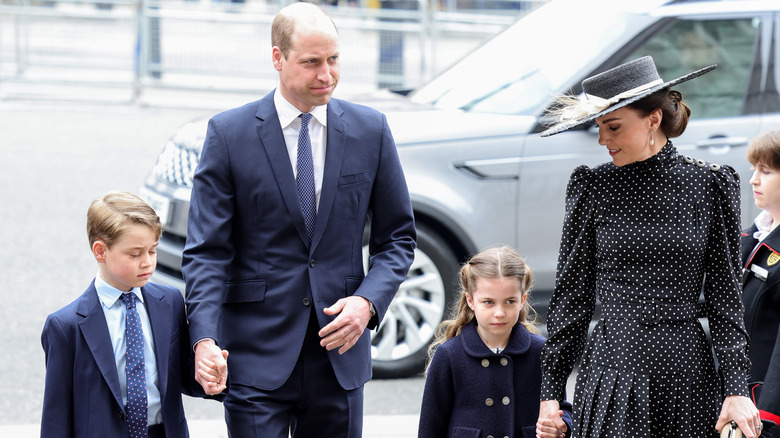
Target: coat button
504, 361
489, 401
313, 263
505, 401
489, 436
485, 363
306, 302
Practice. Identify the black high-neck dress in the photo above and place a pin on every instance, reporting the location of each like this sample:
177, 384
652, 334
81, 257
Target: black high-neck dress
646, 239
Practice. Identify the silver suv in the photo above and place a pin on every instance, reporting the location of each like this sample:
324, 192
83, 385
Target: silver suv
478, 172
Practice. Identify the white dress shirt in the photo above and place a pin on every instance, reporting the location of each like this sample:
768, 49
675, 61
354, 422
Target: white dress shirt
115, 311
318, 132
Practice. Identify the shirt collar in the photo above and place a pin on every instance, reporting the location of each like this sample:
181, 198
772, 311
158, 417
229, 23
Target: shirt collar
288, 113
763, 223
108, 294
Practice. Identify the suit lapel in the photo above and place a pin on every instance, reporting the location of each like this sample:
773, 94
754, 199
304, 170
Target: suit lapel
159, 311
337, 138
272, 141
95, 331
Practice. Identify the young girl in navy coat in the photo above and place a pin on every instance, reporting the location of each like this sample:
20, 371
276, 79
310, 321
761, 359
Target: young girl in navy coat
484, 376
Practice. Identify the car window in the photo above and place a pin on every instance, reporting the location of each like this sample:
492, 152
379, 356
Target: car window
688, 45
519, 70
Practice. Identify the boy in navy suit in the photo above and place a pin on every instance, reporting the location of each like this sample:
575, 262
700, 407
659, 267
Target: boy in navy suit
118, 357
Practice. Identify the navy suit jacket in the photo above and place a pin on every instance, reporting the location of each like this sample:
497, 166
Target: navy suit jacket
82, 396
252, 277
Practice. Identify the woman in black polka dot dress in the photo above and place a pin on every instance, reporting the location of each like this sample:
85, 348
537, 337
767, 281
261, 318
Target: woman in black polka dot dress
643, 234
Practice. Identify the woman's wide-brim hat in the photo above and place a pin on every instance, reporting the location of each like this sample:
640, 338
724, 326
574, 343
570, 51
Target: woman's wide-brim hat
613, 89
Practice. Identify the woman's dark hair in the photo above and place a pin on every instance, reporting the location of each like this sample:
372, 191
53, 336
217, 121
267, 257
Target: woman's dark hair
675, 111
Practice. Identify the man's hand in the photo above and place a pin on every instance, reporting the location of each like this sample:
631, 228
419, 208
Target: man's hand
346, 329
211, 367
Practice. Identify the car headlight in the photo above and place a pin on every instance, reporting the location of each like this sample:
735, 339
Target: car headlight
176, 164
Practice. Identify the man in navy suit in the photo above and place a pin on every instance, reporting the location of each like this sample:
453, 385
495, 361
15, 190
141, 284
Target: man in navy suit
85, 342
281, 289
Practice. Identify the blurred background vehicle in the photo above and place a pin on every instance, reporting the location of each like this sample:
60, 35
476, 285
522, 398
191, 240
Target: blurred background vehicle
477, 172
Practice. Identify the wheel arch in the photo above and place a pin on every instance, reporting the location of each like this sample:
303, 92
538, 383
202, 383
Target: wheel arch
453, 234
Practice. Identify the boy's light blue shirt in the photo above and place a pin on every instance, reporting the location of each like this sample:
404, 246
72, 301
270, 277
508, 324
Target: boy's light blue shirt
114, 310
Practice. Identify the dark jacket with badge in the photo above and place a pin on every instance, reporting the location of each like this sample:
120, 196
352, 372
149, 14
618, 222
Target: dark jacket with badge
761, 295
472, 392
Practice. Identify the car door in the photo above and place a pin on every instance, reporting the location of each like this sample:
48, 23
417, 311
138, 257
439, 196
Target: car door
726, 115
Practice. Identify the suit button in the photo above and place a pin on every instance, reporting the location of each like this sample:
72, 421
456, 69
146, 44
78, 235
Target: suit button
504, 361
306, 302
485, 363
505, 401
313, 263
489, 436
489, 402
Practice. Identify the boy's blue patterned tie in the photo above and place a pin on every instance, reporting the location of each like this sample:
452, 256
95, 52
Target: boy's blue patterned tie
137, 403
305, 178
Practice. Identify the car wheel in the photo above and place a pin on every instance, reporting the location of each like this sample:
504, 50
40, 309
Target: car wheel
399, 346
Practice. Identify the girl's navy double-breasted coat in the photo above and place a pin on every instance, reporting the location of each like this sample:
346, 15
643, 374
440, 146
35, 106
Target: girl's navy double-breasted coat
472, 392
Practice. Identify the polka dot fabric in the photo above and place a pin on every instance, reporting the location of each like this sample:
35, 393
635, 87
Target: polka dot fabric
137, 403
644, 238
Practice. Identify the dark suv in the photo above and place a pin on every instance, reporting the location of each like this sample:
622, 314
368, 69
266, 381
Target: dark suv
477, 171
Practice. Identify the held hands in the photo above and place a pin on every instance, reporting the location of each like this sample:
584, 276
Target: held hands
550, 423
211, 367
742, 410
346, 329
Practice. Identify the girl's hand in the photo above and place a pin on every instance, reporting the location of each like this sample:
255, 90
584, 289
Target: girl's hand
550, 423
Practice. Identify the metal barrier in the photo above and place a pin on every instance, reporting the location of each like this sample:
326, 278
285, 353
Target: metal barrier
120, 49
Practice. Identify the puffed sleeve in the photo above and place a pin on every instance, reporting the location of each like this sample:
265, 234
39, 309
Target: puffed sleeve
438, 396
723, 284
573, 300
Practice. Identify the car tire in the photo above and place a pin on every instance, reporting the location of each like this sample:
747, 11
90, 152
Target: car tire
399, 347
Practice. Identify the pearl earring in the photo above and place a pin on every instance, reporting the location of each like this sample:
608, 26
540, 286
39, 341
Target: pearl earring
652, 138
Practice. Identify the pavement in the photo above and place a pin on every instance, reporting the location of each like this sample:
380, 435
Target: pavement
374, 426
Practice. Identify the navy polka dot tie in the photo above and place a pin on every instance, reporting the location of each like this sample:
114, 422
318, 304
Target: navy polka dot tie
305, 178
137, 404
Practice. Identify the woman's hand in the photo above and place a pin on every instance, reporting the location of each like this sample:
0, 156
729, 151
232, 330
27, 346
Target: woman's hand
742, 410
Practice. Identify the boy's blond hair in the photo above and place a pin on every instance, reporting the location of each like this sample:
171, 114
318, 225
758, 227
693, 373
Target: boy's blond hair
110, 216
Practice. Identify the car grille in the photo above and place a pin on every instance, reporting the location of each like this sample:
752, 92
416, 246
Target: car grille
176, 165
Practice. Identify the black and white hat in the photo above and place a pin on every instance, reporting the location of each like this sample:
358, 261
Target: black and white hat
614, 89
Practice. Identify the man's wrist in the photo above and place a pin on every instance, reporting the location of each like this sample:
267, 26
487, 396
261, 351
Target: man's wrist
371, 307
199, 341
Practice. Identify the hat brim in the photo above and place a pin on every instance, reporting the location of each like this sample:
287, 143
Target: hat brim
564, 126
